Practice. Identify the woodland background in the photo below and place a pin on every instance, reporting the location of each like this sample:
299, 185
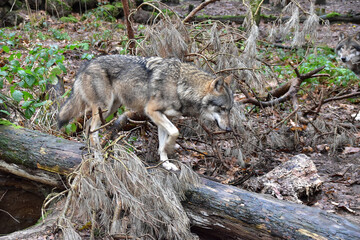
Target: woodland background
282, 108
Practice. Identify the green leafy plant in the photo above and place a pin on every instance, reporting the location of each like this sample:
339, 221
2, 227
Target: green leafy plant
57, 34
10, 39
339, 75
28, 76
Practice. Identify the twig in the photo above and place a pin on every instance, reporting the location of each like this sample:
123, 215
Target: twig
122, 163
114, 142
258, 7
293, 88
206, 60
160, 163
14, 5
194, 150
213, 146
233, 69
322, 102
299, 6
2, 196
105, 125
116, 216
198, 8
341, 97
10, 215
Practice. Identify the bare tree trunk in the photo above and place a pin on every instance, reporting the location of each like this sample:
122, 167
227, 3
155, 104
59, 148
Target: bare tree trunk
128, 25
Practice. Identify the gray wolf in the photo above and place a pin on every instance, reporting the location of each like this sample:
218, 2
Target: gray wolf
159, 88
348, 50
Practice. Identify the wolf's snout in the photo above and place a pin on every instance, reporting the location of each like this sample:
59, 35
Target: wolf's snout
343, 59
224, 125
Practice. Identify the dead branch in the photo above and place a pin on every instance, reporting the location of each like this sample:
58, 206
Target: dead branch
316, 109
350, 95
198, 8
289, 89
278, 92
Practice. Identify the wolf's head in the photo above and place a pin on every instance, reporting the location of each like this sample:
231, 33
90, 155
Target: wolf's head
218, 101
348, 48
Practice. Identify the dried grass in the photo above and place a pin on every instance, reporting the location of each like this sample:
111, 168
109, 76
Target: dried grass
300, 34
166, 39
118, 195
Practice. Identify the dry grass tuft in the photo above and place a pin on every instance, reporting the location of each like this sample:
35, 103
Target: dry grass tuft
120, 196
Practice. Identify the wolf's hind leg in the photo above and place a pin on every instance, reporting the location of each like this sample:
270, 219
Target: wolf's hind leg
95, 124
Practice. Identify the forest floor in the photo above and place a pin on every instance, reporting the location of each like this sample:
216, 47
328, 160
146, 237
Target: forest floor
339, 170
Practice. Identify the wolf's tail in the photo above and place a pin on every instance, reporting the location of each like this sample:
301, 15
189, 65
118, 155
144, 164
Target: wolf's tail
72, 108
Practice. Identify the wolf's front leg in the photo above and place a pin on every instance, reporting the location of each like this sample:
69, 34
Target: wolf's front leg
168, 133
163, 143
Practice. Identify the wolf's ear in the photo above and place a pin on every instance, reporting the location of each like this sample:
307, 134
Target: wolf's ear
342, 36
217, 84
228, 79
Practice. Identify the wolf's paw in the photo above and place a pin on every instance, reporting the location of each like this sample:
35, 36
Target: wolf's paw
170, 166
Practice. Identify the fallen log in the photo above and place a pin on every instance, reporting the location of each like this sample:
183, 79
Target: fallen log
216, 210
332, 18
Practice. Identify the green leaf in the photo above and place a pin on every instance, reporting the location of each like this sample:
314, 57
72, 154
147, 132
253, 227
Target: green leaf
61, 66
70, 128
21, 72
87, 56
50, 62
15, 64
36, 105
26, 104
109, 118
4, 111
29, 112
56, 71
17, 95
6, 122
40, 70
3, 73
27, 95
6, 48
67, 93
53, 79
30, 80
84, 46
